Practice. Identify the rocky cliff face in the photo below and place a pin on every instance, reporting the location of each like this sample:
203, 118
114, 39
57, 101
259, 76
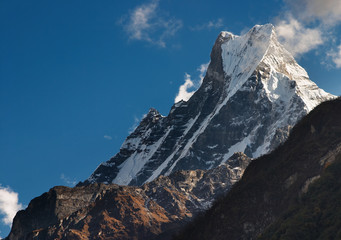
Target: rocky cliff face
252, 95
52, 206
155, 210
274, 188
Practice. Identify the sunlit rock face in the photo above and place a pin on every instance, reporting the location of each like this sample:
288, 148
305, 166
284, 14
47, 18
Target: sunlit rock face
155, 210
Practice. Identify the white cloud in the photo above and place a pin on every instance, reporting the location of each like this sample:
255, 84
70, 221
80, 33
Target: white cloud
310, 24
136, 124
187, 89
145, 23
214, 24
336, 56
68, 181
139, 23
107, 137
326, 11
184, 93
297, 38
9, 205
202, 69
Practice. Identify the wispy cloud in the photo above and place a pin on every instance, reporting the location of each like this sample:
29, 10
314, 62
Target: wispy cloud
187, 89
184, 90
202, 70
213, 24
135, 124
336, 56
9, 205
328, 12
68, 181
107, 137
297, 38
309, 24
145, 23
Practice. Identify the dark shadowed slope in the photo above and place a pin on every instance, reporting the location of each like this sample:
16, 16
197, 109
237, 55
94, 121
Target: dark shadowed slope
275, 181
317, 215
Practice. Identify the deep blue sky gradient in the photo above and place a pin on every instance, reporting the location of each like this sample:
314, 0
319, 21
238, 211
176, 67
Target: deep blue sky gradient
69, 75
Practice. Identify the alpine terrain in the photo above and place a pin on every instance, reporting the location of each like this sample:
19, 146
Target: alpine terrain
253, 93
292, 193
156, 210
172, 168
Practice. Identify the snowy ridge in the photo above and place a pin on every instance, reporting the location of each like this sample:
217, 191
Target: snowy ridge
240, 58
239, 61
253, 93
158, 171
132, 166
239, 146
281, 61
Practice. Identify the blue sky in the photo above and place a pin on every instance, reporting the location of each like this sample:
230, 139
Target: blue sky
77, 75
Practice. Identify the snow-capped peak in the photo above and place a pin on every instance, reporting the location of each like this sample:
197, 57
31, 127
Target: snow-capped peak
253, 93
242, 54
279, 60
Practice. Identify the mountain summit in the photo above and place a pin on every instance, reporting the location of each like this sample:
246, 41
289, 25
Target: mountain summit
253, 93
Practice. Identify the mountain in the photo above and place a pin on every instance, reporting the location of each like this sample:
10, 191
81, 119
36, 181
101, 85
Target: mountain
155, 210
253, 93
317, 215
291, 193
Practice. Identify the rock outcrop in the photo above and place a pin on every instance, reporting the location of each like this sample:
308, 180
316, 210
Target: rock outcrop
155, 210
